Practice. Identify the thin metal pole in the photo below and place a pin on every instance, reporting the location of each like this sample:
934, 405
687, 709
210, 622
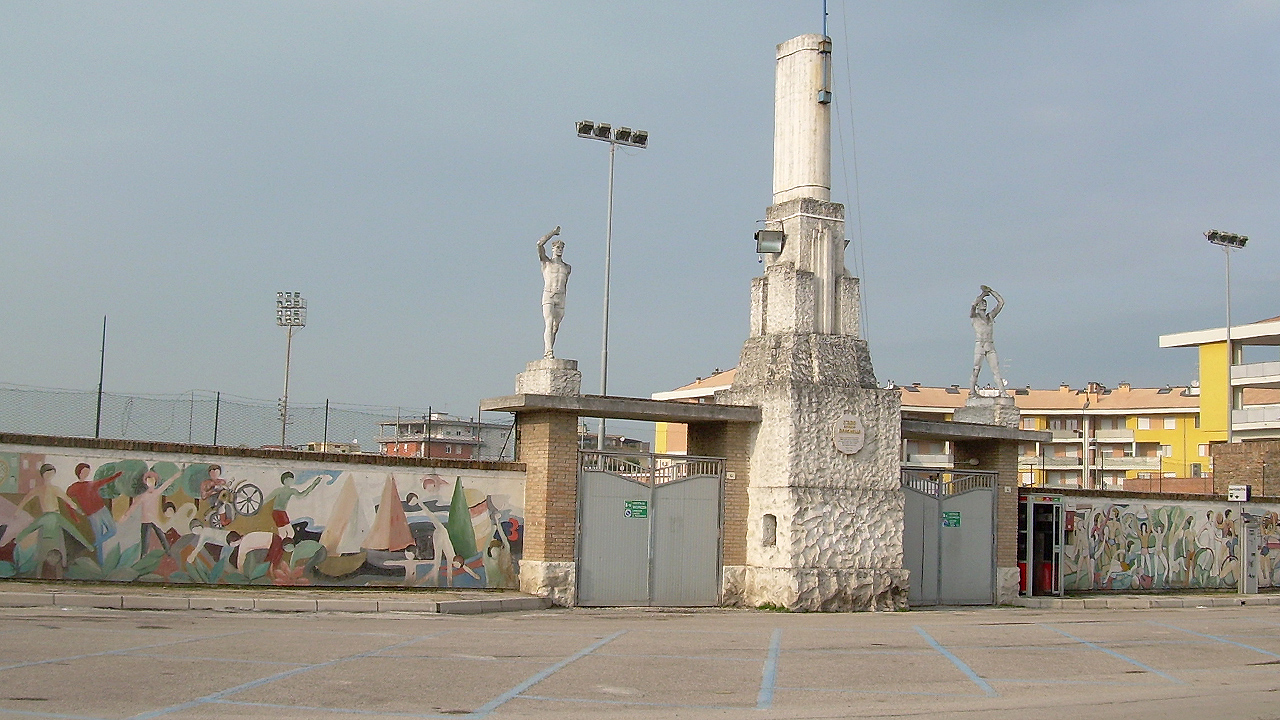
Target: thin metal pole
284, 406
608, 252
191, 416
217, 410
102, 368
1231, 400
426, 452
324, 441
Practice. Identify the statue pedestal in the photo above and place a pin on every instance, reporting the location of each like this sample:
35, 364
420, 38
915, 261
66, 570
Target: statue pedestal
550, 376
998, 410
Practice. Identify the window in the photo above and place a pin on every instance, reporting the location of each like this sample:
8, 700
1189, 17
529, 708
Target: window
1144, 476
1028, 423
1144, 423
1196, 470
1166, 451
1203, 449
1063, 424
1027, 478
1197, 418
1171, 423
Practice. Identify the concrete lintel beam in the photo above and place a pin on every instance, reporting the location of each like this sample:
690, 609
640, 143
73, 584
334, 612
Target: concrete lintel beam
623, 408
940, 430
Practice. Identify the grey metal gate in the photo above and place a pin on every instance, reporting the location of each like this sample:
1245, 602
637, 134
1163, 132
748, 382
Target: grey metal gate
648, 529
948, 538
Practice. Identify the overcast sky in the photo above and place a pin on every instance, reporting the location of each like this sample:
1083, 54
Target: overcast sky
174, 164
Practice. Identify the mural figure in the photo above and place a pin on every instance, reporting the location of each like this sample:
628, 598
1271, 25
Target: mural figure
555, 284
148, 507
51, 549
984, 333
278, 502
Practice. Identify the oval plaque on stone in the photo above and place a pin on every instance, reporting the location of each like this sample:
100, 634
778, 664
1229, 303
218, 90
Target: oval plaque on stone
850, 435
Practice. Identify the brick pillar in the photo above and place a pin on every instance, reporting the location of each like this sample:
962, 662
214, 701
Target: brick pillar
731, 441
1002, 457
547, 443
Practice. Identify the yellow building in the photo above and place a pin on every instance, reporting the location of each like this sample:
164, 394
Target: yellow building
1255, 378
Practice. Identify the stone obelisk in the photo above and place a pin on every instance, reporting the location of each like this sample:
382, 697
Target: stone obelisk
825, 509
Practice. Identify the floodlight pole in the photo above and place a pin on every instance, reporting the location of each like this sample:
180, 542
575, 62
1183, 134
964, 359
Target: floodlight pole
291, 312
631, 138
284, 404
1228, 241
608, 253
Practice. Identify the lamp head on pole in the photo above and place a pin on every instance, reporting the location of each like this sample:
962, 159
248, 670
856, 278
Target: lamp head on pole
615, 136
1226, 239
291, 309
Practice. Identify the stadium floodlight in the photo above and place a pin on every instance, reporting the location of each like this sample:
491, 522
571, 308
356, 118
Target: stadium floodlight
291, 312
1228, 242
770, 241
629, 138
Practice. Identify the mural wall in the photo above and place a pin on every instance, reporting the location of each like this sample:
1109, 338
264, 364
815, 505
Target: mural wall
87, 514
1153, 545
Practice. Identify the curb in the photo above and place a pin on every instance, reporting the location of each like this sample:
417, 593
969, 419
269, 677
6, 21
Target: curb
269, 604
1145, 603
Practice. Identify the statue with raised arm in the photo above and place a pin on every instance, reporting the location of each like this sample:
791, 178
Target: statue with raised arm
984, 343
555, 282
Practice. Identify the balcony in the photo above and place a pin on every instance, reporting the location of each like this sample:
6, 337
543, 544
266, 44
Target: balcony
1262, 373
1053, 463
1060, 435
931, 461
1127, 463
1256, 418
1122, 435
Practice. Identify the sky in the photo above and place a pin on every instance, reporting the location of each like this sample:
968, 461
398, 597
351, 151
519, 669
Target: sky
172, 165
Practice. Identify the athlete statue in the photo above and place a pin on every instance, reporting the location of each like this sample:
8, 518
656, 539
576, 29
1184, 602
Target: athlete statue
984, 343
555, 282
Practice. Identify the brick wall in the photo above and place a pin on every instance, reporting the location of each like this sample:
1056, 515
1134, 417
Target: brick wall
1253, 462
731, 441
547, 445
1002, 457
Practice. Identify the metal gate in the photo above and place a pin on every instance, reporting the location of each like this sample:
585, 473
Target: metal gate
948, 538
648, 529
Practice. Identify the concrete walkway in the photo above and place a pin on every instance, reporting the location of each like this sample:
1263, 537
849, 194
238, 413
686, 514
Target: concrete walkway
1147, 601
276, 599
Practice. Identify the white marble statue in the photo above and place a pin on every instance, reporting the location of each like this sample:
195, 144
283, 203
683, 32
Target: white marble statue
555, 283
984, 343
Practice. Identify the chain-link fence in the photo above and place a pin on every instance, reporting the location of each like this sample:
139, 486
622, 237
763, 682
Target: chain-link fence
214, 418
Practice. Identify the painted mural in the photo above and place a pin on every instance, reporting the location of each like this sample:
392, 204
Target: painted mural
1156, 546
95, 518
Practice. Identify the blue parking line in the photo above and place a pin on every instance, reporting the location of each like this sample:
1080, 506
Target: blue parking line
1215, 637
1117, 655
272, 678
769, 674
977, 679
493, 704
59, 716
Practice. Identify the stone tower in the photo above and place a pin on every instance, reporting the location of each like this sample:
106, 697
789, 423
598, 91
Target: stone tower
825, 510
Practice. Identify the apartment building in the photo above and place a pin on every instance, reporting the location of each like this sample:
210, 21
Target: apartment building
1254, 388
1104, 438
440, 435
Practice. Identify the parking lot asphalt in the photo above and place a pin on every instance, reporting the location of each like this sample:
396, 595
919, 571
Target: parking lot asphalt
633, 663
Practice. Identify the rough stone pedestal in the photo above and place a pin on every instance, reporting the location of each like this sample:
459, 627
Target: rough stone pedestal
550, 376
556, 581
998, 410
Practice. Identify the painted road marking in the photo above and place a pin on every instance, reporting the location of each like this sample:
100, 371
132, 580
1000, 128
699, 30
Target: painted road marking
1215, 637
1117, 655
977, 680
493, 704
769, 673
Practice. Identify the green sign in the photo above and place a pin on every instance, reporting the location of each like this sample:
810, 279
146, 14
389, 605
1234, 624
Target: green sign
635, 508
950, 518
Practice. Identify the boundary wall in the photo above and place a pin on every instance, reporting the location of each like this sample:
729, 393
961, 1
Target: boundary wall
128, 511
1147, 541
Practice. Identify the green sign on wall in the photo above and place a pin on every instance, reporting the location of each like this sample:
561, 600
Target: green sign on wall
950, 518
635, 508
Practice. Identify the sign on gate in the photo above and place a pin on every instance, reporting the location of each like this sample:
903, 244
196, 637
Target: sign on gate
950, 518
635, 508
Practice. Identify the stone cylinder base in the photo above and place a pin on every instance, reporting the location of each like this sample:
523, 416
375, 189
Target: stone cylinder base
989, 411
550, 376
817, 589
1008, 585
556, 581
